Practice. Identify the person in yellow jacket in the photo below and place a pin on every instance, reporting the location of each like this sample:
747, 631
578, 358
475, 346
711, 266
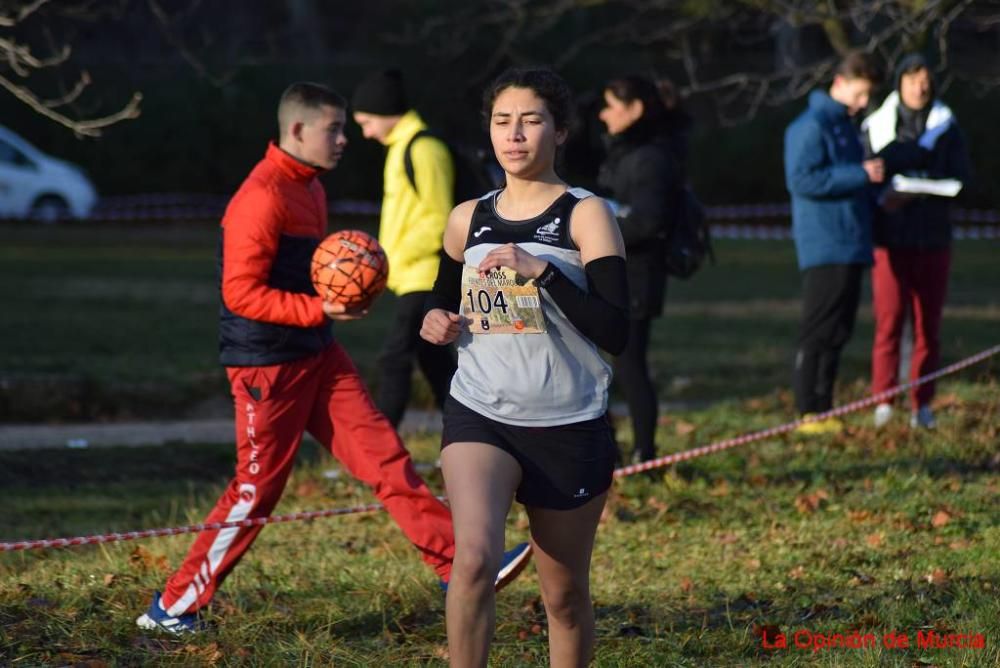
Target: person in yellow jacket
415, 209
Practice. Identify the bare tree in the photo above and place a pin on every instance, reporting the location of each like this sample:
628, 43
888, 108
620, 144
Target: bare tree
23, 67
742, 55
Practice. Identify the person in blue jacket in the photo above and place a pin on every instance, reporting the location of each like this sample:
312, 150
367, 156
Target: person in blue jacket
828, 178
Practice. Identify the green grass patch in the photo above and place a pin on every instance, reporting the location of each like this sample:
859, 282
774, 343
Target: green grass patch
874, 532
114, 321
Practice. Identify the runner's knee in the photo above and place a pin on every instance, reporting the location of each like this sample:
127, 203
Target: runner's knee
475, 562
567, 605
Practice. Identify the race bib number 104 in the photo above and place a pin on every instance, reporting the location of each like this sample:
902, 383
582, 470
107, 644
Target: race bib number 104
501, 302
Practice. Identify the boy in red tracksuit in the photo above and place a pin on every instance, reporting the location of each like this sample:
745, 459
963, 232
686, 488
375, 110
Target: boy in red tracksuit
287, 373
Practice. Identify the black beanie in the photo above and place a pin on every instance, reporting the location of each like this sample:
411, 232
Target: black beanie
911, 63
381, 94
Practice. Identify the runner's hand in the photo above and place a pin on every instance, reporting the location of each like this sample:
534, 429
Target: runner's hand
335, 311
441, 327
510, 255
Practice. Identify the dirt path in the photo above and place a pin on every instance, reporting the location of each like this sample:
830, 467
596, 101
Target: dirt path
210, 430
139, 434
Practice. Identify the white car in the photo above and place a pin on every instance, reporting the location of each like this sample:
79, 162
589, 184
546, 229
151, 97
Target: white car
36, 186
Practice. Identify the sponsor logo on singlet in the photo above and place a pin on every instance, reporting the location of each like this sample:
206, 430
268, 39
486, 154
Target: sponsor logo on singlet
548, 233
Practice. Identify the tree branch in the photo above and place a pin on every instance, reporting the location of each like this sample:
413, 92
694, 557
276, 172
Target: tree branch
167, 29
23, 13
86, 128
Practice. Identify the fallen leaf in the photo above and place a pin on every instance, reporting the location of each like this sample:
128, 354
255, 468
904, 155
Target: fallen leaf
753, 564
941, 518
686, 585
721, 489
959, 544
797, 573
308, 488
809, 503
937, 577
943, 401
532, 607
684, 428
110, 579
858, 515
145, 560
874, 539
657, 504
728, 538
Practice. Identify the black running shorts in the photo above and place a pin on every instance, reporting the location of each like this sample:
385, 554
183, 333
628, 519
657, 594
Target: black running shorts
562, 467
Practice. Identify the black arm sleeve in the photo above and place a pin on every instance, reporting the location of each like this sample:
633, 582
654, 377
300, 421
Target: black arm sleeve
600, 313
447, 290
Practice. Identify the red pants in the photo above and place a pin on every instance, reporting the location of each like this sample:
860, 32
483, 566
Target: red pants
908, 281
274, 406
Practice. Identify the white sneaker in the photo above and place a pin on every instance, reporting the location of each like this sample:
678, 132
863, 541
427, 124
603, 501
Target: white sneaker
883, 413
923, 417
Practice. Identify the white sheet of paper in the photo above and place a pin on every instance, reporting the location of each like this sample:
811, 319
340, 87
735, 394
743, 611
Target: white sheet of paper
918, 186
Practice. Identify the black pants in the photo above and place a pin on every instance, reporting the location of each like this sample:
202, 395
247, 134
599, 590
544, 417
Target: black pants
830, 295
402, 344
632, 375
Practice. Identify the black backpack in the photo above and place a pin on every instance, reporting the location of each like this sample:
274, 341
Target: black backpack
476, 170
690, 239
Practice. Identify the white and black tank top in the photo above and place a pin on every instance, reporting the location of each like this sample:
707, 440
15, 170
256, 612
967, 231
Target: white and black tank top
532, 380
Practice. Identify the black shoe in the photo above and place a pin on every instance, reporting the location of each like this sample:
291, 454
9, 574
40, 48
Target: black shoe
640, 457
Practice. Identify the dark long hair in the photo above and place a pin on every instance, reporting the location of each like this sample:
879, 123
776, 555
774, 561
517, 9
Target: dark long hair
663, 116
630, 88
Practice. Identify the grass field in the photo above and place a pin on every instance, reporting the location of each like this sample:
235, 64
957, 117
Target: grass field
879, 533
889, 532
107, 321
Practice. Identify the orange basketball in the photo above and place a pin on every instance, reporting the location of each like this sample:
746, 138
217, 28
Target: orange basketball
349, 267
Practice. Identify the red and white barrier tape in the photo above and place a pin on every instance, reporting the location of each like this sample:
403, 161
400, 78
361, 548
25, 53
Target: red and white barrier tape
746, 232
188, 206
174, 531
789, 426
667, 460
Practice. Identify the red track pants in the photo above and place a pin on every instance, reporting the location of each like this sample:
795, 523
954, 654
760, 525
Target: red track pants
903, 282
325, 396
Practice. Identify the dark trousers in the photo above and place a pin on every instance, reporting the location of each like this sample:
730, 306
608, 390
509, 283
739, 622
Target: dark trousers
830, 295
632, 375
402, 345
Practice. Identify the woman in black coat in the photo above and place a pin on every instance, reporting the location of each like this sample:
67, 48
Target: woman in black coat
643, 174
